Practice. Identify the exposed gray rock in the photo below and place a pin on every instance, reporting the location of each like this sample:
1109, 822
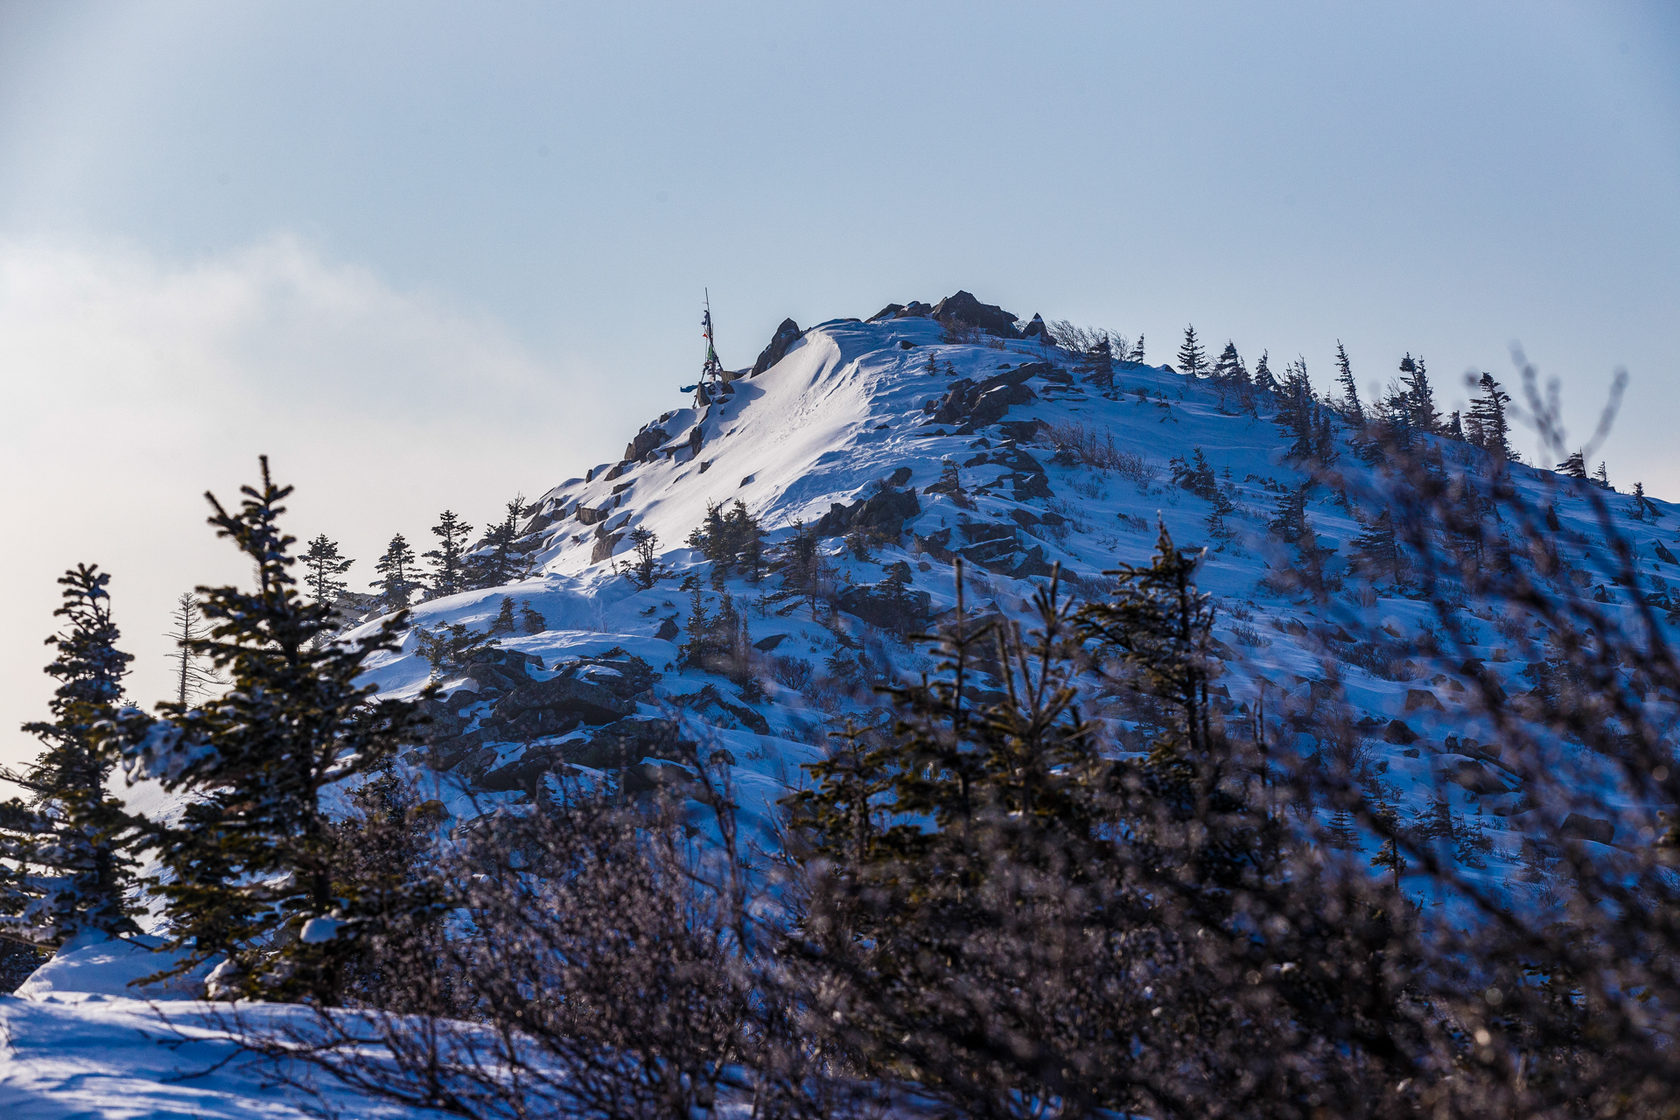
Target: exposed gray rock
604, 546
962, 309
721, 711
589, 701
881, 515
901, 611
1583, 827
647, 441
915, 309
784, 338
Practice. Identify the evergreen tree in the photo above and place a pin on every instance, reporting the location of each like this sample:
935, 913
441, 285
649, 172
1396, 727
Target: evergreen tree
323, 565
251, 870
1378, 547
1160, 626
1097, 363
1228, 368
1575, 466
746, 541
1324, 438
1289, 519
1195, 475
1350, 406
1135, 354
1264, 380
801, 565
644, 546
397, 569
1643, 506
448, 570
192, 679
1388, 854
66, 855
1192, 360
1486, 425
501, 557
1297, 413
1419, 398
1601, 476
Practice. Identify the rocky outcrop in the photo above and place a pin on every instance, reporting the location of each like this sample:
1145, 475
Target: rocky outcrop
888, 606
881, 515
963, 310
1036, 329
915, 309
972, 404
503, 703
647, 441
786, 335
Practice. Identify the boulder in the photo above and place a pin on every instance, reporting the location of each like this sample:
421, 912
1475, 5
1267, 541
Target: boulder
589, 701
881, 515
786, 335
972, 404
1036, 329
962, 309
604, 546
500, 670
721, 711
900, 611
915, 309
647, 441
1399, 733
1421, 699
627, 742
1582, 827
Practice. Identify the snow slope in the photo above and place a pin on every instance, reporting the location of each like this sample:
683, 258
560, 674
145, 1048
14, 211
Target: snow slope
850, 411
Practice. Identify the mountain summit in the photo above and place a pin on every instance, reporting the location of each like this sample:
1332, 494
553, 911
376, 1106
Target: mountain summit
751, 569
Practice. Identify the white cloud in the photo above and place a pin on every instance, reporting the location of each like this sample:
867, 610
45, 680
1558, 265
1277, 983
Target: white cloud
130, 384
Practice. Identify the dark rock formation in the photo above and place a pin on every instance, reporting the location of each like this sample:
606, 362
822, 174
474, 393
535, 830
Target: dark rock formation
1583, 827
915, 309
1036, 329
902, 610
970, 404
962, 309
721, 711
784, 338
881, 515
646, 442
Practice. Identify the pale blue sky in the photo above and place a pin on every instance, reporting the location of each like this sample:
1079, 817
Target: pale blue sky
431, 254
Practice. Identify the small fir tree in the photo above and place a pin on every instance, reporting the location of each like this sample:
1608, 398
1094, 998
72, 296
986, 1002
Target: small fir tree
1486, 426
1350, 406
448, 569
1378, 548
397, 569
251, 872
67, 854
1192, 359
192, 677
323, 567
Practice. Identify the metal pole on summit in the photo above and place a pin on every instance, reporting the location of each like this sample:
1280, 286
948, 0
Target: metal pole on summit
711, 372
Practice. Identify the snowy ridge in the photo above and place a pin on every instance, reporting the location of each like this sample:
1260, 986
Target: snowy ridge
853, 411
